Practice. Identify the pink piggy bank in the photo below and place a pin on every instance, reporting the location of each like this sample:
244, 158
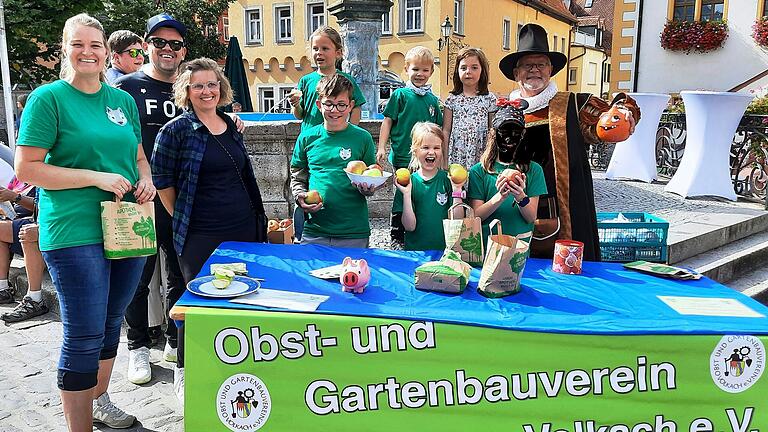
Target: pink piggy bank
355, 275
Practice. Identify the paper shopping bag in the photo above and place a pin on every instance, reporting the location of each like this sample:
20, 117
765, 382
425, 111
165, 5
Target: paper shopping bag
464, 236
450, 274
128, 229
504, 263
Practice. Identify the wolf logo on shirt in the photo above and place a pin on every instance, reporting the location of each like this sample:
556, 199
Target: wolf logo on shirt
116, 116
442, 198
345, 154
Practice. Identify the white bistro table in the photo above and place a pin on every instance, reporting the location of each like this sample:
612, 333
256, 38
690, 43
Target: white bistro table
635, 158
711, 120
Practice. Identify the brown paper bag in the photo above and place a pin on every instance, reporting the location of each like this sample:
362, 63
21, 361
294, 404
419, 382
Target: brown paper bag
464, 235
504, 263
128, 229
449, 275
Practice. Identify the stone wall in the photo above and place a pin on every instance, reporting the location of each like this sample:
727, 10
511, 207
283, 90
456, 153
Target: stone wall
270, 146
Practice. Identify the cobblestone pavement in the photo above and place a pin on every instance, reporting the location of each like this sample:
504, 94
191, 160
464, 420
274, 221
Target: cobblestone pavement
30, 400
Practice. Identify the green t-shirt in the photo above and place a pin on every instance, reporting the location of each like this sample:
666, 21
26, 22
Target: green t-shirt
406, 108
308, 86
99, 132
431, 200
482, 186
326, 154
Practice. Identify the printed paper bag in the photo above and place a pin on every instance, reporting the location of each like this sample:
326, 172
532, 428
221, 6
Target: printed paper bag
504, 263
128, 229
449, 275
464, 236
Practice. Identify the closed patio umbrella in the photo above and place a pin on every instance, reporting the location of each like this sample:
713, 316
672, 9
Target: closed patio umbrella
235, 72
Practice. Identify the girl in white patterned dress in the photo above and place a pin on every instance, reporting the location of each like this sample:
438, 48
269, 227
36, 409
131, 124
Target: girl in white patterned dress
468, 110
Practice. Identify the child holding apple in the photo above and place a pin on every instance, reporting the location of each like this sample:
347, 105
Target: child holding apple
338, 215
407, 106
428, 193
506, 184
327, 52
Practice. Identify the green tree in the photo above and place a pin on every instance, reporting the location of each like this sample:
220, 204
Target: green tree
33, 33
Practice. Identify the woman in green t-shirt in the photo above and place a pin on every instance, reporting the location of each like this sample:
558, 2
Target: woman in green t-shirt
504, 173
80, 144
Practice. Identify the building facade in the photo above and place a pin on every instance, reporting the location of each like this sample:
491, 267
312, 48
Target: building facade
644, 66
274, 37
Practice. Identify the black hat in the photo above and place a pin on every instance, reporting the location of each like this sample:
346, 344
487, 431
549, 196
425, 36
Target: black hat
164, 20
511, 111
532, 40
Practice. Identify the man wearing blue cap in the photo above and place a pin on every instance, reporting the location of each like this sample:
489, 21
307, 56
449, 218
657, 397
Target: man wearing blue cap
152, 89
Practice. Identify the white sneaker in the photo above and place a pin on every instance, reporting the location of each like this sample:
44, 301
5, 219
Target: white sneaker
139, 371
105, 412
178, 383
169, 354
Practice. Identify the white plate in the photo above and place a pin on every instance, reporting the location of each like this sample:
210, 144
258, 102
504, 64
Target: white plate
241, 285
374, 181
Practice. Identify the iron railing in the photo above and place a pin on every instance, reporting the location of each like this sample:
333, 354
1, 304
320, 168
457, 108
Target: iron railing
748, 157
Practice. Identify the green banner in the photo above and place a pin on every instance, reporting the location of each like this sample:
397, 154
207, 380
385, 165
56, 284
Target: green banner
271, 371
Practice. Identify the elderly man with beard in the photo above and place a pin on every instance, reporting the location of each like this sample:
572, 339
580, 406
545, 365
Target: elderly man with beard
559, 128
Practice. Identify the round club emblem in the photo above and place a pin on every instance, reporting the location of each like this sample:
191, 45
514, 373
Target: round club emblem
737, 362
243, 403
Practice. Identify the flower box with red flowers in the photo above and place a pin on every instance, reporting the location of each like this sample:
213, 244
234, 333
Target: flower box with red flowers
699, 36
760, 32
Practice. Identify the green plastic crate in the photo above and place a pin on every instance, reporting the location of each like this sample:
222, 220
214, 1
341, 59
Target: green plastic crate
643, 238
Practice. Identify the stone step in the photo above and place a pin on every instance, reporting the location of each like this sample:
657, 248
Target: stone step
753, 284
731, 260
710, 232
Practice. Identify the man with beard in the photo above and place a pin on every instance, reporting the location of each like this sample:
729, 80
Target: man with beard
152, 89
559, 128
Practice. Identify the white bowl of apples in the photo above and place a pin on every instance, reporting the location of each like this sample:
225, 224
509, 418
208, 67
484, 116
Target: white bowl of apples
372, 175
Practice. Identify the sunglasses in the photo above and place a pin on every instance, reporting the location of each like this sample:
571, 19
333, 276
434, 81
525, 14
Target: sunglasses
133, 52
160, 43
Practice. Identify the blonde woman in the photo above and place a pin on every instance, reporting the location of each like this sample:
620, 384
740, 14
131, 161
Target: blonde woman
80, 144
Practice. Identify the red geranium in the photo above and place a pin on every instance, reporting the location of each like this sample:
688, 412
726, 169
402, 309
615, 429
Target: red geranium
760, 32
699, 36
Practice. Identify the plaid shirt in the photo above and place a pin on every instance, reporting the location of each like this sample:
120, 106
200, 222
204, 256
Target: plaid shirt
176, 159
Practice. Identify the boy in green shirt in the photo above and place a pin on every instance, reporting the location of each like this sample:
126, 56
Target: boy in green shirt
407, 106
319, 158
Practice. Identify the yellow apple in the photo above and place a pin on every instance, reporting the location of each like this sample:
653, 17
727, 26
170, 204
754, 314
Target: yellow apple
356, 167
375, 166
372, 172
313, 197
273, 225
403, 176
457, 173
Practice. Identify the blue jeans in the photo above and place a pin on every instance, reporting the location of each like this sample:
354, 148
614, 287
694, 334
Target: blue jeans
93, 295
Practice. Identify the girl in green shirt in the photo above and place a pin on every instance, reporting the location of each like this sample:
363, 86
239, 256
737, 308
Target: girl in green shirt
429, 194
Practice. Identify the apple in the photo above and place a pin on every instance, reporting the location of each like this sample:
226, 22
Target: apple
375, 166
457, 173
285, 223
403, 176
511, 175
372, 172
356, 167
273, 225
313, 197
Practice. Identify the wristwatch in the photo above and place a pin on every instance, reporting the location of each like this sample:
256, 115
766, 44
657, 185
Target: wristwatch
523, 202
17, 199
459, 194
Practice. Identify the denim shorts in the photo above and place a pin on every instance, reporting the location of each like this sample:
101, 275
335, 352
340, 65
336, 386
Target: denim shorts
93, 295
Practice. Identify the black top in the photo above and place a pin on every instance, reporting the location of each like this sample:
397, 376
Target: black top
221, 204
154, 99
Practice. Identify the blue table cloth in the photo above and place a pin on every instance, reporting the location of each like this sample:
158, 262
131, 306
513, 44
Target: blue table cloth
604, 299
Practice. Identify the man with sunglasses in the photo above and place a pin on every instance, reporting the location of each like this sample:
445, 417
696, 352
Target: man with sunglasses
127, 54
152, 89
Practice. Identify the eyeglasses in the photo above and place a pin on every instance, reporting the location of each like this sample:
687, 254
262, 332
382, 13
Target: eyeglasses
529, 66
133, 52
340, 107
210, 85
160, 43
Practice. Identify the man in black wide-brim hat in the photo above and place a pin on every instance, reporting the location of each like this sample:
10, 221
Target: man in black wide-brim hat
559, 128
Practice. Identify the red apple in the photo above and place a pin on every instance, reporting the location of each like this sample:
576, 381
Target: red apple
313, 197
285, 223
356, 167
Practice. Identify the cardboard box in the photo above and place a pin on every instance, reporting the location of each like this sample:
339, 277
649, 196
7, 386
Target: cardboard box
282, 235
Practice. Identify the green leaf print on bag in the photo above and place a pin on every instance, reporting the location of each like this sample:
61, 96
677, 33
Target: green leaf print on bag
473, 245
144, 228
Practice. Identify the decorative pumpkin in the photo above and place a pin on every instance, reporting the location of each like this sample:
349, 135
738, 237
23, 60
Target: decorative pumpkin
614, 125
